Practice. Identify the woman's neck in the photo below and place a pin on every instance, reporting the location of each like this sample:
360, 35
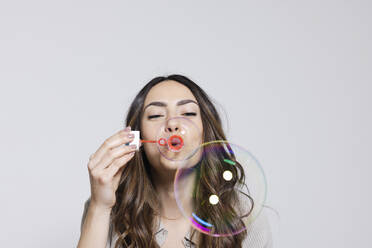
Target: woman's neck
163, 183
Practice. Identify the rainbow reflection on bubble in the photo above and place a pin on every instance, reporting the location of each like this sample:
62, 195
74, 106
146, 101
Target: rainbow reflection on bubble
224, 192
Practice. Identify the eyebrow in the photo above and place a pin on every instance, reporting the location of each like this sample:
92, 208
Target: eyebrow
163, 104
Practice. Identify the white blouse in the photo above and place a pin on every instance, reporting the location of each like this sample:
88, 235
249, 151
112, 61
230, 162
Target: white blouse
258, 234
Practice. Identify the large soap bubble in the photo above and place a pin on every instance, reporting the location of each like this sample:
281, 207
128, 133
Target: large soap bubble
223, 192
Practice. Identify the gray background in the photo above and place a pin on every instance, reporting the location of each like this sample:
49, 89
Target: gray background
294, 78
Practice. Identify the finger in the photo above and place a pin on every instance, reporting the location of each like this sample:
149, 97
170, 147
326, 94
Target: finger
119, 138
113, 154
123, 137
118, 164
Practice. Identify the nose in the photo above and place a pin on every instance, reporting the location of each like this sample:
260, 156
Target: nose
172, 126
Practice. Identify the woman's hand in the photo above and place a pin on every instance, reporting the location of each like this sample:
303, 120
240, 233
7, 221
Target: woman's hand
105, 167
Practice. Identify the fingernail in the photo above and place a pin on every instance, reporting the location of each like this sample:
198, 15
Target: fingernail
130, 135
133, 146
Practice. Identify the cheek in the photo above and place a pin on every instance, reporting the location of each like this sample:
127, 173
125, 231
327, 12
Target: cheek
152, 154
201, 130
148, 131
151, 150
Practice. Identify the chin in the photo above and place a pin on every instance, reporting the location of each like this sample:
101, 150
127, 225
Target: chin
169, 164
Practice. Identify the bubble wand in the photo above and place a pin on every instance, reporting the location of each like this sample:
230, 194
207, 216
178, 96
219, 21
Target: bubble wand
174, 142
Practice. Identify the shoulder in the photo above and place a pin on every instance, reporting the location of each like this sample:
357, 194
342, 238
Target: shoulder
259, 233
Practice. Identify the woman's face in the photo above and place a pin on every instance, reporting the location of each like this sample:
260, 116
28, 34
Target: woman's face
163, 104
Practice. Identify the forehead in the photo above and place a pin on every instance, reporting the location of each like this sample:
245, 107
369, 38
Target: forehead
169, 91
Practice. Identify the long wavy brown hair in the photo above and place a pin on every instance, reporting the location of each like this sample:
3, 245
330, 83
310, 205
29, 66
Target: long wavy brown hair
134, 213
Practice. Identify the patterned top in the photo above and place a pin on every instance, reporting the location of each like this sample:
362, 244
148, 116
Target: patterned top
258, 234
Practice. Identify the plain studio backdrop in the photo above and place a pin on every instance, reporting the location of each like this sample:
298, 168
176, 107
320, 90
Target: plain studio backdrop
293, 79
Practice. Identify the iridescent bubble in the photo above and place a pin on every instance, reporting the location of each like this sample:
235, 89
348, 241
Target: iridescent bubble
223, 191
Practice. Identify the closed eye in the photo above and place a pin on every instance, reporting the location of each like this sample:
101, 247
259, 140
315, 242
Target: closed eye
190, 114
186, 114
154, 116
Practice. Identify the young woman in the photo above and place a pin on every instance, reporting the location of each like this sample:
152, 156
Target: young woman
132, 202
